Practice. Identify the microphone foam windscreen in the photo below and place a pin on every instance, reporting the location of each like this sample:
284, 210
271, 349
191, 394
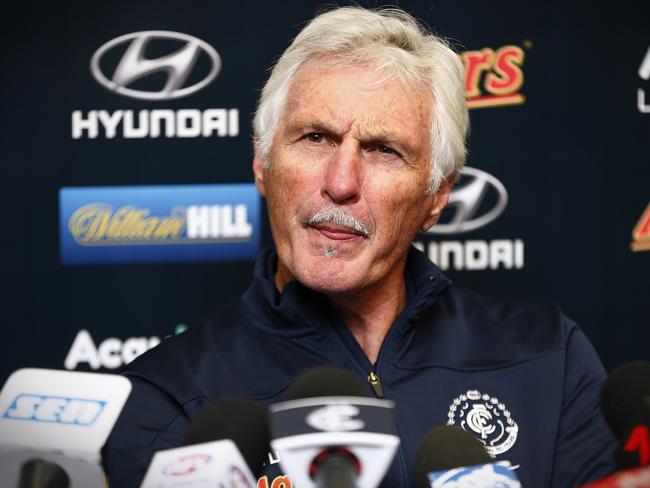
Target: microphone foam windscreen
447, 447
243, 421
625, 397
326, 381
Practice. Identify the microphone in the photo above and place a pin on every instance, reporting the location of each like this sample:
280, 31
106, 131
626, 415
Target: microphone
53, 425
629, 478
625, 395
226, 445
243, 421
330, 433
447, 456
447, 447
39, 473
634, 449
326, 381
625, 400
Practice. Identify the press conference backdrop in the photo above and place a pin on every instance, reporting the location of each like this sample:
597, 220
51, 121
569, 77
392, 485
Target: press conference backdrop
128, 206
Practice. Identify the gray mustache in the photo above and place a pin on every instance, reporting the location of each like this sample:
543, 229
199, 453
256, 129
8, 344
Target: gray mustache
338, 216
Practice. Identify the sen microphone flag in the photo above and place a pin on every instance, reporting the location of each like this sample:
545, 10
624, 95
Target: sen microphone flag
57, 418
68, 412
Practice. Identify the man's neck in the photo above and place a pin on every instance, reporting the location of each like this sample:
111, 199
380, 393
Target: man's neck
370, 315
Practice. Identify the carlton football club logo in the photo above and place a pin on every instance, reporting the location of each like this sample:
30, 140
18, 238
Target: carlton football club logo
335, 418
486, 418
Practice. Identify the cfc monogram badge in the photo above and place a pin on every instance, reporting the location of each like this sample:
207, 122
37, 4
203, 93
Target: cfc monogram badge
485, 417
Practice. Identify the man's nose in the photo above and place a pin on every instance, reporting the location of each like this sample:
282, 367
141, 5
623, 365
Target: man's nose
343, 173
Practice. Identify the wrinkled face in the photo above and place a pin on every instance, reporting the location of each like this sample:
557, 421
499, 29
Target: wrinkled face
346, 184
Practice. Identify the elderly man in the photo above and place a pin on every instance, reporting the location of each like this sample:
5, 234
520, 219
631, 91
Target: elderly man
359, 135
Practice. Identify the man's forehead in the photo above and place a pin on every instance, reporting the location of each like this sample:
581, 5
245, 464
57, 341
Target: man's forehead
320, 95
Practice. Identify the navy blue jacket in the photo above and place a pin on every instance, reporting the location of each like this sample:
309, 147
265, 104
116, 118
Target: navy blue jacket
521, 377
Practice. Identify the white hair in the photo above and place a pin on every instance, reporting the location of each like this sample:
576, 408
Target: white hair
395, 43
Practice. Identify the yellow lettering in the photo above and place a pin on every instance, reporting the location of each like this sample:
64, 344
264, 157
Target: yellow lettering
89, 222
169, 227
98, 223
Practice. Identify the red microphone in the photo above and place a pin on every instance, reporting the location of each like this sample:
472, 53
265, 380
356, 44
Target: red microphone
634, 448
625, 400
630, 478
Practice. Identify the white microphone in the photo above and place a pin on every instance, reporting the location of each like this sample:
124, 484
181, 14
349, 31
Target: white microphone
449, 457
491, 475
331, 440
226, 438
58, 417
207, 465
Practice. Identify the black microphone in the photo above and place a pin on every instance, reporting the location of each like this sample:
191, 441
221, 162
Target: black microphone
625, 396
625, 400
325, 381
336, 466
331, 433
447, 447
39, 473
243, 421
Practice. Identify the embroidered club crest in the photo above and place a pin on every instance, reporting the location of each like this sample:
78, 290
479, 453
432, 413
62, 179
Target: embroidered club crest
486, 418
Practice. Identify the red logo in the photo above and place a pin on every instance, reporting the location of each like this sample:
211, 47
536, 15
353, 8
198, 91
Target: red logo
494, 78
186, 465
641, 232
639, 441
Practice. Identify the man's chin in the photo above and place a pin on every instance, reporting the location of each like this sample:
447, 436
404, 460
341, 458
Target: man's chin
330, 278
337, 288
329, 270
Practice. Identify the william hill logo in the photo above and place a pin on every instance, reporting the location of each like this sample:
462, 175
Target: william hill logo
99, 224
494, 78
164, 223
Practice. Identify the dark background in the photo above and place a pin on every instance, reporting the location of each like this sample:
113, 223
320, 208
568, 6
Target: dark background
574, 159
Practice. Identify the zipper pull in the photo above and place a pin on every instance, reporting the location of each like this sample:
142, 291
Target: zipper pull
373, 379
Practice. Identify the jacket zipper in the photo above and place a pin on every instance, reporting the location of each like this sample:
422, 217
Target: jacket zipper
373, 379
375, 383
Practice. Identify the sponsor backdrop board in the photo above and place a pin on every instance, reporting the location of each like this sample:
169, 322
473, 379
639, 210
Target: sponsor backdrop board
129, 211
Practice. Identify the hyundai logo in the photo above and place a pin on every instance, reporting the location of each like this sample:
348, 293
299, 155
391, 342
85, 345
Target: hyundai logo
466, 203
133, 65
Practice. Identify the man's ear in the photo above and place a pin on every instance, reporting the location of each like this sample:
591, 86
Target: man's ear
440, 199
258, 171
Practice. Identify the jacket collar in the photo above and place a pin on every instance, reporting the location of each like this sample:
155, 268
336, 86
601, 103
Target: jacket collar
300, 311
